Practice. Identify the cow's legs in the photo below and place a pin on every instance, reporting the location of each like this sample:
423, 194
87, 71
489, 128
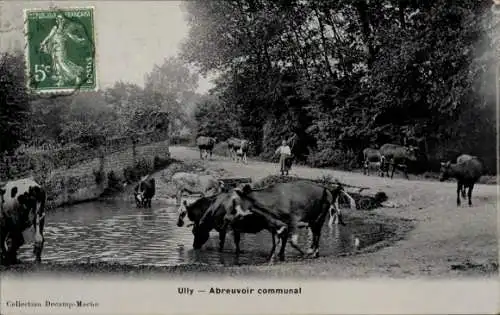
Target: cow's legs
17, 241
293, 240
393, 169
39, 240
314, 249
464, 191
245, 158
237, 238
273, 249
459, 190
3, 249
406, 171
469, 194
222, 239
284, 239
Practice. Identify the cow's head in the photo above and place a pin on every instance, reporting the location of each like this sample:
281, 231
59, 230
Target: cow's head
222, 186
411, 153
139, 192
181, 211
445, 171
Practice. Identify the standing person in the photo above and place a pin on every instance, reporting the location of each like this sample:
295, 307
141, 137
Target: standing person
285, 152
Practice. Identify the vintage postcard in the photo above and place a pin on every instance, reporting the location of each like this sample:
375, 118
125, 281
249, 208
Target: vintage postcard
249, 157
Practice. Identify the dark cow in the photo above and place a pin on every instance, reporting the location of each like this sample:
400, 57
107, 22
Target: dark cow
144, 192
460, 159
372, 158
217, 217
22, 206
284, 208
467, 174
397, 156
206, 144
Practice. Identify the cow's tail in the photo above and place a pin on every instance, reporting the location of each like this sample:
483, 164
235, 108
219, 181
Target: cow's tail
352, 202
333, 200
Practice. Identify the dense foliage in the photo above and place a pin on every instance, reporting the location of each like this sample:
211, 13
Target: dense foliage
344, 75
14, 106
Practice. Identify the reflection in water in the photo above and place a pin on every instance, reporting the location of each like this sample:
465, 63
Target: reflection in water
119, 232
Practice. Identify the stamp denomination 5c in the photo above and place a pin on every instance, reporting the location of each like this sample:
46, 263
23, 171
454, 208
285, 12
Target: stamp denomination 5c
60, 49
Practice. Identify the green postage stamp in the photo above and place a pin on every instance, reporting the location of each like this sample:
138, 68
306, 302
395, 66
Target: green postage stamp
60, 50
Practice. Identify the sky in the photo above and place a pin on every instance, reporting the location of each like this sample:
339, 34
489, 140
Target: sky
132, 36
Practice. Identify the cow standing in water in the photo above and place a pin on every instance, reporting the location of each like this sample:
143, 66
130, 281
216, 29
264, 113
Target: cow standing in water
144, 192
281, 208
206, 144
22, 206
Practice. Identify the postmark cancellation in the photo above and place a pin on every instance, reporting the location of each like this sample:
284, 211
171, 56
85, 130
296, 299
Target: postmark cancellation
60, 50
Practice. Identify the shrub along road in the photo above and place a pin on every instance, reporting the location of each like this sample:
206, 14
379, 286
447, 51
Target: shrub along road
446, 241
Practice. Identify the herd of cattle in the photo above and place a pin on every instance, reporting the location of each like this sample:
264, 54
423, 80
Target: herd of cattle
467, 170
282, 208
238, 148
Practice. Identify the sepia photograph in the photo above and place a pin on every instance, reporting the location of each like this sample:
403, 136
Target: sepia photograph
291, 157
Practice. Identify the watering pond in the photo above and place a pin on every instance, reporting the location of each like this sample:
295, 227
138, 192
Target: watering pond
118, 232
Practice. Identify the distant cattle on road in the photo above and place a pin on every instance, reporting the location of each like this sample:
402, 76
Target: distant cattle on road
195, 184
467, 172
372, 158
22, 204
238, 149
397, 156
144, 192
206, 144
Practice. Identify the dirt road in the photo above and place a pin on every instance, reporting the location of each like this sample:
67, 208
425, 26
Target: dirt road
448, 241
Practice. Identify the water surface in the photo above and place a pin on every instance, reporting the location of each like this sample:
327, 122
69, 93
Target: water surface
116, 231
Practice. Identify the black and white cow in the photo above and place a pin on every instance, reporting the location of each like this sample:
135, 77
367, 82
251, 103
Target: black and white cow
144, 192
22, 206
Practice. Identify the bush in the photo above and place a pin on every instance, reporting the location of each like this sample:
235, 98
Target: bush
138, 170
333, 157
99, 176
114, 184
160, 163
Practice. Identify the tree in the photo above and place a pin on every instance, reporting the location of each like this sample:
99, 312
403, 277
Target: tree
14, 102
351, 74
